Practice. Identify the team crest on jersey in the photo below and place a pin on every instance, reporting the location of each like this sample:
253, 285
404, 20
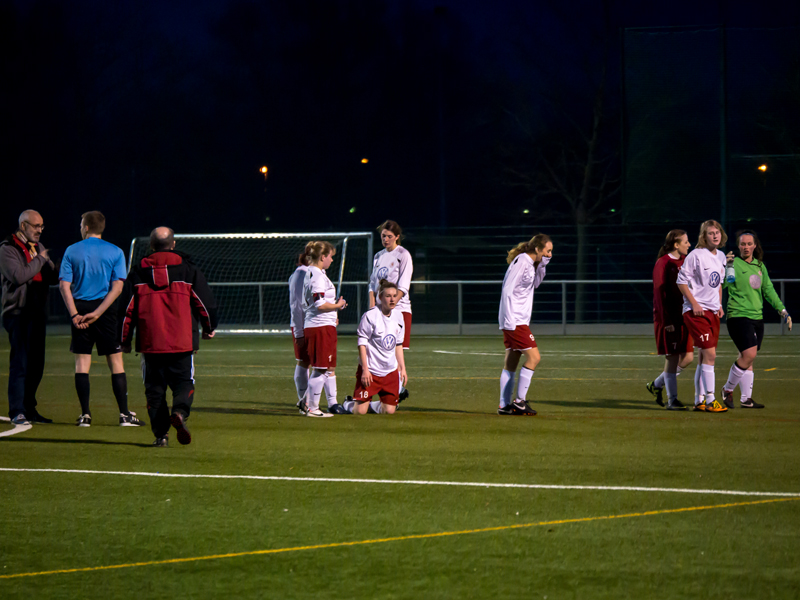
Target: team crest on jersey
755, 281
383, 273
714, 281
389, 342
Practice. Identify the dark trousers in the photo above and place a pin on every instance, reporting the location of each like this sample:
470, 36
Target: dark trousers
160, 371
27, 334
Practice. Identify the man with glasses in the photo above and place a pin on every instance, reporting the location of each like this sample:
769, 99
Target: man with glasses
26, 272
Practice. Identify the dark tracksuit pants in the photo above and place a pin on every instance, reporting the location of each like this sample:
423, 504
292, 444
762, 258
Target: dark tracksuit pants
161, 371
27, 335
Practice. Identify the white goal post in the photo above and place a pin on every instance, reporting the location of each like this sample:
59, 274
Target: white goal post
249, 273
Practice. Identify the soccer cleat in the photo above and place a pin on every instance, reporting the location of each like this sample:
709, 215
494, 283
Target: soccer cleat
715, 407
750, 403
179, 423
403, 396
84, 421
337, 409
520, 408
505, 410
317, 413
657, 392
700, 406
302, 406
20, 419
727, 397
37, 418
161, 442
130, 420
675, 404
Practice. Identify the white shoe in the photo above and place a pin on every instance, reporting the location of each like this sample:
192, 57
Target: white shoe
316, 412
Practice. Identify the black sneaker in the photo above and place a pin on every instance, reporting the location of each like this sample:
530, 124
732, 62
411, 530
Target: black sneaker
161, 442
37, 418
302, 406
520, 408
657, 392
84, 421
130, 420
179, 423
675, 405
505, 410
403, 396
727, 398
750, 403
337, 409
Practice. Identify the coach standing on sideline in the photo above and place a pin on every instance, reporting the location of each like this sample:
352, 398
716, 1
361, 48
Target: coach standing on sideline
91, 278
164, 297
26, 272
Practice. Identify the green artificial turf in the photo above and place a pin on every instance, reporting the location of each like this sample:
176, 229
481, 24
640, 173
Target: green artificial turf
597, 426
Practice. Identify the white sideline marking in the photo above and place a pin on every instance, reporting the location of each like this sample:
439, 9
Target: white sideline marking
532, 486
15, 430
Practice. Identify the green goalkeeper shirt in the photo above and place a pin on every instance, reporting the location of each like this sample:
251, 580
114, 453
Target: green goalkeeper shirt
746, 295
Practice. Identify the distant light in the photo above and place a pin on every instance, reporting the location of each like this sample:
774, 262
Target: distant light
352, 210
264, 170
613, 210
267, 219
762, 168
364, 161
749, 220
526, 211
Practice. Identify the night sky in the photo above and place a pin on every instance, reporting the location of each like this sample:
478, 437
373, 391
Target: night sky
162, 113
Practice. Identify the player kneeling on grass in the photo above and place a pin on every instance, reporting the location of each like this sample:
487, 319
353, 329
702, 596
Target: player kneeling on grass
526, 270
382, 368
165, 296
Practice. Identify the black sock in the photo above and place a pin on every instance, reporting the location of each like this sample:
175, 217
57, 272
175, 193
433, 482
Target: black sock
82, 387
119, 383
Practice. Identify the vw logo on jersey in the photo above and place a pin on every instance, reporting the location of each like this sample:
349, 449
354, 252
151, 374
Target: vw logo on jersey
714, 281
383, 273
389, 342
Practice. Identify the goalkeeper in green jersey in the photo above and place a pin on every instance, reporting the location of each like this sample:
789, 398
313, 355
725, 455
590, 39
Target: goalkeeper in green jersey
746, 295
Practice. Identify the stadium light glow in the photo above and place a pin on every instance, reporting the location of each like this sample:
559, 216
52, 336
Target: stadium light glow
613, 210
364, 161
352, 210
526, 211
762, 168
264, 170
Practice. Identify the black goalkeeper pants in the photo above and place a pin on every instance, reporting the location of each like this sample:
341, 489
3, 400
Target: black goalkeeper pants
162, 371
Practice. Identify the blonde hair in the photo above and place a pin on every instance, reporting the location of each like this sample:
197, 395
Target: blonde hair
702, 242
316, 250
537, 242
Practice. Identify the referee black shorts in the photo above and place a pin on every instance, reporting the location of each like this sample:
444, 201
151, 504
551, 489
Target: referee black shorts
745, 332
103, 332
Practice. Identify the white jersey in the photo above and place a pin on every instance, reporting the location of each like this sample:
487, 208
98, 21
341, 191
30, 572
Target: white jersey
395, 266
380, 335
317, 290
296, 310
516, 299
703, 272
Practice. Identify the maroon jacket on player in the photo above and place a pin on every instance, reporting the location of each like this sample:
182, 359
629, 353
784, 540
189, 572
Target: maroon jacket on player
667, 298
165, 296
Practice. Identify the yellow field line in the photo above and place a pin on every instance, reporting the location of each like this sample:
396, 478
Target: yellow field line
421, 536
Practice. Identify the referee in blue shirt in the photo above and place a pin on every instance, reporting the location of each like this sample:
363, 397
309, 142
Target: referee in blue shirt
91, 278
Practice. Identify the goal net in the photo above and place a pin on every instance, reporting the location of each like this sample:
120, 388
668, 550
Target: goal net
249, 273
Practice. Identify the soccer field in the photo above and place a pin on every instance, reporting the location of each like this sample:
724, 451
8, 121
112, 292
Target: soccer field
603, 495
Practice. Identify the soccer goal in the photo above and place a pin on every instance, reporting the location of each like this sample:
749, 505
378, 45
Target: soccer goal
249, 273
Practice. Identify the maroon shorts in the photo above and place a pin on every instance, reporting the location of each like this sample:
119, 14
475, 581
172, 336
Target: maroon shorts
407, 336
704, 330
387, 387
300, 348
520, 339
673, 342
321, 346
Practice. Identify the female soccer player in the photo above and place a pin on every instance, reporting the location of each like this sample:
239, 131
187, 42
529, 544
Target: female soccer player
526, 270
319, 327
746, 316
394, 264
297, 317
673, 341
700, 282
382, 368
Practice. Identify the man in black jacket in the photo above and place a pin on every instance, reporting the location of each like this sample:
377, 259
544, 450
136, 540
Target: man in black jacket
165, 296
26, 272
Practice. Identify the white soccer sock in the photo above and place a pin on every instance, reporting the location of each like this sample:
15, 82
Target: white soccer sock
659, 381
315, 384
734, 377
506, 387
348, 405
699, 390
300, 381
330, 390
708, 382
524, 383
671, 383
376, 406
746, 385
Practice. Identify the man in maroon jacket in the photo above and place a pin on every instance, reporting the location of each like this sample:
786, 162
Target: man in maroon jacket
165, 296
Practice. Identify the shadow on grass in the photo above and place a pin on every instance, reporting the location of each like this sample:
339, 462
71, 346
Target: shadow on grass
284, 410
611, 403
61, 441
